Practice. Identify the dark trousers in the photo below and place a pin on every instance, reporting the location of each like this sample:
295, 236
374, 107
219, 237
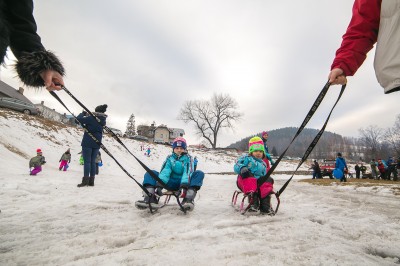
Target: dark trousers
89, 159
357, 174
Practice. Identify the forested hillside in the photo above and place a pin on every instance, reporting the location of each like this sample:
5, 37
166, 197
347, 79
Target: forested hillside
329, 144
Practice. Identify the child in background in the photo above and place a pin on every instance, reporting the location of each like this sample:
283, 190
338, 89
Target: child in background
177, 173
65, 160
268, 159
195, 161
99, 162
81, 161
37, 162
250, 168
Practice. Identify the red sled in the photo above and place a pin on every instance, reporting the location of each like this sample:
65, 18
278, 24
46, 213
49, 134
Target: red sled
247, 201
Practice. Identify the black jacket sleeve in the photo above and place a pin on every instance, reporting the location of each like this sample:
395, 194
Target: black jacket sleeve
26, 44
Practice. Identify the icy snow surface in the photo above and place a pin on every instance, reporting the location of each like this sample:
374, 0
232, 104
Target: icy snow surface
47, 220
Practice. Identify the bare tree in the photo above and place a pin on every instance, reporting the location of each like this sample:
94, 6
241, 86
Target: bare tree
210, 116
392, 136
371, 138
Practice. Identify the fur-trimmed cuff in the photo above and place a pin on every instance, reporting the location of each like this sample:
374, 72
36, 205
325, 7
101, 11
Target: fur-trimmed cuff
30, 65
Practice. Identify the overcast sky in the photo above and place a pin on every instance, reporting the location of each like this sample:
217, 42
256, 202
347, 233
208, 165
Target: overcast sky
149, 57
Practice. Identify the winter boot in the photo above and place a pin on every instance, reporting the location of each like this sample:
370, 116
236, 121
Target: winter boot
265, 206
91, 181
153, 200
85, 182
188, 201
60, 168
255, 205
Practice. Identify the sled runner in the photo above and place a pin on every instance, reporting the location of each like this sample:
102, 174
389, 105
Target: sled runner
247, 204
154, 206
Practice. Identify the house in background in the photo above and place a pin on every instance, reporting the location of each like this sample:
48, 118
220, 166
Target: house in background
52, 114
159, 134
176, 132
146, 131
8, 91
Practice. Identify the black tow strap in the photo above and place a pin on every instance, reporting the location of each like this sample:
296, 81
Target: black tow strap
108, 130
313, 109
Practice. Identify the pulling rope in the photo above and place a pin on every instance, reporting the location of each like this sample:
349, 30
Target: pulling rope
310, 113
108, 130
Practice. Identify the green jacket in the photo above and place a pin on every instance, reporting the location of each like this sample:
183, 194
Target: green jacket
37, 161
66, 157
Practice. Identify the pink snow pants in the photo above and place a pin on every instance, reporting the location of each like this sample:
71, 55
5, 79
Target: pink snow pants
64, 164
36, 170
248, 185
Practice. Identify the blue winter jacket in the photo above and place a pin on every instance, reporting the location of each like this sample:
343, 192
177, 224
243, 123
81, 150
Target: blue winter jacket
340, 163
256, 166
94, 128
177, 167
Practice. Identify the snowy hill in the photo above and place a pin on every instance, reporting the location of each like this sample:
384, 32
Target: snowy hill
47, 220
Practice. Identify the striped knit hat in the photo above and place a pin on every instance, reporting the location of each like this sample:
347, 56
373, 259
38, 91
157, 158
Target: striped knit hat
256, 144
179, 142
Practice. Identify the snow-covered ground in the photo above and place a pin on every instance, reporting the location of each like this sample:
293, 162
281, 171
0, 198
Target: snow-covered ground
47, 220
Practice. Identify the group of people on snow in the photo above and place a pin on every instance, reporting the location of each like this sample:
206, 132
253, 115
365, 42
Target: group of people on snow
380, 169
36, 162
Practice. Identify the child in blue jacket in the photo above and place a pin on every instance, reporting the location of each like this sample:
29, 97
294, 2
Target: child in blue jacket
178, 174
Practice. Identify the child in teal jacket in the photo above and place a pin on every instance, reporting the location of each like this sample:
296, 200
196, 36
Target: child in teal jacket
250, 168
177, 172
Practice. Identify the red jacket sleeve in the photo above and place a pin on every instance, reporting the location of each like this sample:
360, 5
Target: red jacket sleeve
360, 37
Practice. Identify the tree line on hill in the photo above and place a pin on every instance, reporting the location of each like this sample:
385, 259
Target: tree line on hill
374, 142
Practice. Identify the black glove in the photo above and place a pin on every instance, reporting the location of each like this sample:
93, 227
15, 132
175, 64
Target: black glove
245, 173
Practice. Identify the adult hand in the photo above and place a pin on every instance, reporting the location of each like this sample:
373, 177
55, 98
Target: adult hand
52, 80
336, 76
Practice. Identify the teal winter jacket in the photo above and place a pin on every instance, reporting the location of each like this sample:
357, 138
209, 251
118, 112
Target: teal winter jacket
177, 167
256, 166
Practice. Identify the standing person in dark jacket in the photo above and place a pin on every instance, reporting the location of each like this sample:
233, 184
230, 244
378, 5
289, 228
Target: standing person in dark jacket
358, 170
316, 170
90, 148
392, 169
36, 67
